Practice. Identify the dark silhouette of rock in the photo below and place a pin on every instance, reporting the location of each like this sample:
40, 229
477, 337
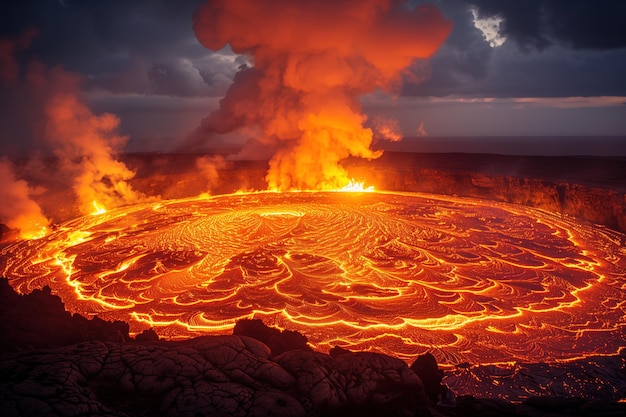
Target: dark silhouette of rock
205, 376
469, 406
148, 335
551, 404
338, 350
3, 229
278, 341
425, 366
39, 319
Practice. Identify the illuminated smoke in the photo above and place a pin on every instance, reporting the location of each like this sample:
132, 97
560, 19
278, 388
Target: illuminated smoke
87, 144
421, 130
312, 60
17, 209
388, 129
59, 121
209, 167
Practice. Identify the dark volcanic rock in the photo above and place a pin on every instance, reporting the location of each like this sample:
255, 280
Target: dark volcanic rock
206, 376
39, 320
278, 341
148, 335
425, 366
591, 189
338, 350
3, 229
469, 406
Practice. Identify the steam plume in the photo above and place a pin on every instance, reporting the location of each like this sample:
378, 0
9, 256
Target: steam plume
312, 60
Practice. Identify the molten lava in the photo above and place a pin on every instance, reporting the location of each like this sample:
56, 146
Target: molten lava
397, 273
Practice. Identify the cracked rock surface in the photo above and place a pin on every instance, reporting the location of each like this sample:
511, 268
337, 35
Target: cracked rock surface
206, 376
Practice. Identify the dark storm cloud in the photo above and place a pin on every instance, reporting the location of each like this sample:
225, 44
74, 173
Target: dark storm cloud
580, 24
462, 60
139, 46
553, 49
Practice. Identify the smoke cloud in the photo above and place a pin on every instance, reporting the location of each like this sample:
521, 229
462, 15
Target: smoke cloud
312, 60
421, 130
388, 129
52, 118
209, 167
86, 145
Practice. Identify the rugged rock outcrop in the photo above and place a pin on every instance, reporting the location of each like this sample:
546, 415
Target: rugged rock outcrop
425, 366
206, 376
63, 365
39, 320
278, 341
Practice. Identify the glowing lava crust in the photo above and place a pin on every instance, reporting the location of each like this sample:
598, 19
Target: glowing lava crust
397, 273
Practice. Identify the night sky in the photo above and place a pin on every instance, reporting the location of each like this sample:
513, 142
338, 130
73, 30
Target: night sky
536, 68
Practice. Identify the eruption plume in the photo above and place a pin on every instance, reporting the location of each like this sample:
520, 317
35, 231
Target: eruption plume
312, 61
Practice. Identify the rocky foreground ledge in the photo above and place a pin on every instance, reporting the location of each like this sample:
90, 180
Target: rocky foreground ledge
56, 364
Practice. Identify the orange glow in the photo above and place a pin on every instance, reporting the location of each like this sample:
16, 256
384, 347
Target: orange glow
17, 209
357, 186
397, 273
97, 208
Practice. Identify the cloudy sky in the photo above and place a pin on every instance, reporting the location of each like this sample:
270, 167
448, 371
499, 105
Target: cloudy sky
509, 68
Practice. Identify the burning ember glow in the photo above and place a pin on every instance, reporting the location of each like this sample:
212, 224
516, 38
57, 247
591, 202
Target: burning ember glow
357, 186
98, 209
397, 273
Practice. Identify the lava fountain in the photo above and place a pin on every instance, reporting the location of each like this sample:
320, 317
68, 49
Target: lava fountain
397, 273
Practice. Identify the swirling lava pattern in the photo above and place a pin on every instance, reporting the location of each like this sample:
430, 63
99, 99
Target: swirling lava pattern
397, 273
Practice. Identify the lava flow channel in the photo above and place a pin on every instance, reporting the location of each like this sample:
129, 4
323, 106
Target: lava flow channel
396, 273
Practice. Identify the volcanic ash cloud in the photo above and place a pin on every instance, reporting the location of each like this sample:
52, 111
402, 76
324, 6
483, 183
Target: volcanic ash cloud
312, 60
